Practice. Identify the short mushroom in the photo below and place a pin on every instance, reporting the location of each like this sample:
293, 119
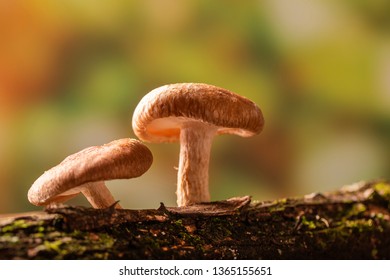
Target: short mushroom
193, 114
87, 170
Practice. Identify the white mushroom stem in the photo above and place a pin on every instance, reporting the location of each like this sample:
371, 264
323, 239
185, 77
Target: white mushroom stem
193, 174
99, 195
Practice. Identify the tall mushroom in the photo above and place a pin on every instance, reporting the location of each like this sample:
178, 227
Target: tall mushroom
87, 170
193, 114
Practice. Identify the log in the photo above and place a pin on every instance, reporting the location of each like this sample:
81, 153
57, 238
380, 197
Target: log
350, 223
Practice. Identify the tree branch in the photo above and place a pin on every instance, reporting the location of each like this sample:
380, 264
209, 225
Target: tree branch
351, 223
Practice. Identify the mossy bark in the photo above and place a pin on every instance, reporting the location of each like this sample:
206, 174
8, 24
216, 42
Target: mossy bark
352, 223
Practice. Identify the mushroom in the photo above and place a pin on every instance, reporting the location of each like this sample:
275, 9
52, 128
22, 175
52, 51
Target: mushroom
87, 170
193, 114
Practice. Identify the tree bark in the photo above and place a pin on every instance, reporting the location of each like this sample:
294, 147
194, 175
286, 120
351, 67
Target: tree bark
351, 223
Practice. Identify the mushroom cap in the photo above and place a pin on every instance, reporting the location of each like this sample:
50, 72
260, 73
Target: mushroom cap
119, 159
161, 113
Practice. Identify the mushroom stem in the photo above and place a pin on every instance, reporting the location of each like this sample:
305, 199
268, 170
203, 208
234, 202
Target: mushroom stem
98, 195
193, 173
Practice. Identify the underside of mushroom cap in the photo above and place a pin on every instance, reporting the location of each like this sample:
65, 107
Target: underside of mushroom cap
161, 113
119, 159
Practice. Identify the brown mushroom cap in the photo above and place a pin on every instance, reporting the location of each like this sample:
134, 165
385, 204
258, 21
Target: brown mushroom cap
119, 159
160, 114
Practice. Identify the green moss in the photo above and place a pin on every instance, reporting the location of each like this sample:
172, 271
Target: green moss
151, 242
38, 235
282, 201
179, 222
9, 238
53, 246
355, 210
16, 225
360, 225
379, 216
222, 228
383, 190
106, 239
186, 237
278, 205
191, 239
22, 224
41, 229
78, 242
309, 224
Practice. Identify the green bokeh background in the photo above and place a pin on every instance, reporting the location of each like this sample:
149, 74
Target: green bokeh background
72, 73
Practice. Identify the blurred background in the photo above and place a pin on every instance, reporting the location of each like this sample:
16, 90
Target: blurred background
72, 72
